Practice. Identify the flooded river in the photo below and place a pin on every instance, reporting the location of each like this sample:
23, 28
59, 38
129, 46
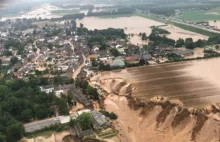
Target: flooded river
135, 25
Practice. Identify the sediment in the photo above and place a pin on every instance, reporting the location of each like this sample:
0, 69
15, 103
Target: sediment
180, 114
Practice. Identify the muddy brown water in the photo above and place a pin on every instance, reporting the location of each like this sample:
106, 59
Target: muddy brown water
195, 83
135, 25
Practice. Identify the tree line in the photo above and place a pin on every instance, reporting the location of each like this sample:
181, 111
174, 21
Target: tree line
123, 10
23, 102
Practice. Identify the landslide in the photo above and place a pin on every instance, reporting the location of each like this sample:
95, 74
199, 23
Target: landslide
170, 120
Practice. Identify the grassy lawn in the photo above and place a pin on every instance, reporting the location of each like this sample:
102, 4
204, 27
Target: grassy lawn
199, 15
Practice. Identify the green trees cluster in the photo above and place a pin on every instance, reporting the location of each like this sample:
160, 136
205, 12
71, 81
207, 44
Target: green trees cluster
106, 34
85, 121
180, 42
121, 10
111, 115
159, 30
143, 36
19, 46
114, 52
70, 17
88, 90
22, 102
157, 39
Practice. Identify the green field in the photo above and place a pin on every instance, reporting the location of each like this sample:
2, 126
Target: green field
199, 15
215, 10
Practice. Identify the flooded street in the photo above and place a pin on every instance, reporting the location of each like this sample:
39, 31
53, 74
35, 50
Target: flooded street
135, 25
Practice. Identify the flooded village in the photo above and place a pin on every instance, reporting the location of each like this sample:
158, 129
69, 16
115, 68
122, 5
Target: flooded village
81, 78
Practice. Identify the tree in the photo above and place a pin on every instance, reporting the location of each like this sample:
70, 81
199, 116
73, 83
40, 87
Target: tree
14, 60
94, 62
62, 104
14, 132
70, 97
201, 43
26, 115
3, 92
189, 43
73, 22
114, 52
92, 92
35, 49
180, 42
84, 120
144, 36
217, 47
41, 111
81, 25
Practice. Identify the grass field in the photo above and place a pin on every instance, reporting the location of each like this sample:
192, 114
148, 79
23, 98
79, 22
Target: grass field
199, 15
215, 10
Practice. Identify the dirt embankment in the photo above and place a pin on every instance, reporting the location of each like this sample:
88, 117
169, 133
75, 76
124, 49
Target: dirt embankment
158, 119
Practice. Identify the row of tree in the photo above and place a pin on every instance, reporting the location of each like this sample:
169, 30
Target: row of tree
123, 10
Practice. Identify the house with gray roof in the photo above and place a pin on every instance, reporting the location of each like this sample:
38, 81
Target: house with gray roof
99, 120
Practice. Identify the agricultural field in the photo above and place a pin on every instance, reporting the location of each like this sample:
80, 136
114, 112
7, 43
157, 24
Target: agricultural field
200, 15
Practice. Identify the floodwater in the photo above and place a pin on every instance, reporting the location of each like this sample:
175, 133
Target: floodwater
216, 24
135, 25
195, 83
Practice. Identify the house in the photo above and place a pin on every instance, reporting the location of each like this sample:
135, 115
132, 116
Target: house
118, 62
92, 56
183, 53
133, 59
62, 89
147, 57
47, 89
82, 98
99, 120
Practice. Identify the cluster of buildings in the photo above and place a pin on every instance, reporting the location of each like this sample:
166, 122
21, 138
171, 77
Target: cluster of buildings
45, 51
99, 121
131, 54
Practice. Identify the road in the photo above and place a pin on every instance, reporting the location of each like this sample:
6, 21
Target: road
192, 25
77, 71
72, 46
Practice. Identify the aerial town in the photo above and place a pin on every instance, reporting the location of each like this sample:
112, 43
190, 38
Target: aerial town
62, 80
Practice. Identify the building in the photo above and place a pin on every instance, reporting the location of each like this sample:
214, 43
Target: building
39, 125
47, 89
118, 62
183, 53
99, 120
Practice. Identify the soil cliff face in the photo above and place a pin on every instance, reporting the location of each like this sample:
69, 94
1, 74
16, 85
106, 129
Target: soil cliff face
158, 119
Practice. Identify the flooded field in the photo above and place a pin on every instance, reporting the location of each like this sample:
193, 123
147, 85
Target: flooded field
135, 25
195, 83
